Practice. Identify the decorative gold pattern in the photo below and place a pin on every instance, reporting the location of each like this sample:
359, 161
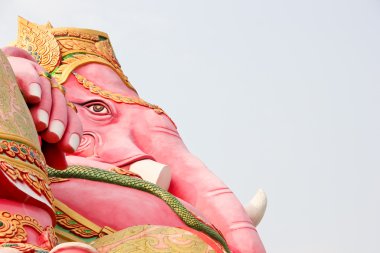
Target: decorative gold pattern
86, 34
36, 180
77, 224
75, 60
73, 226
51, 47
26, 164
22, 162
12, 229
24, 247
151, 239
22, 151
39, 42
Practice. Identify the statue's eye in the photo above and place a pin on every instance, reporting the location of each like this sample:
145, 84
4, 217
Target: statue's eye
98, 108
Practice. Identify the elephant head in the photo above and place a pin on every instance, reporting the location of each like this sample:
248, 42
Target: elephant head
120, 128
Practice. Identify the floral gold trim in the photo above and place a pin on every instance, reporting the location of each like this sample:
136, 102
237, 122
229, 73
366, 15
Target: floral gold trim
78, 225
18, 138
93, 88
87, 34
36, 180
76, 60
21, 161
12, 230
16, 147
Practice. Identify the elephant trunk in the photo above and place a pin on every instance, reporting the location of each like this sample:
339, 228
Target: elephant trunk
193, 182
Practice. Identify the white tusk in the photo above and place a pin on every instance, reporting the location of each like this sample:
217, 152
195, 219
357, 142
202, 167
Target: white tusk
153, 172
256, 207
68, 247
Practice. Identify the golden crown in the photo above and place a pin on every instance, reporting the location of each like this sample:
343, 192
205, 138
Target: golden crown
61, 50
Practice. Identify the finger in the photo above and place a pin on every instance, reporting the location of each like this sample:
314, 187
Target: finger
58, 118
73, 134
17, 52
41, 111
27, 78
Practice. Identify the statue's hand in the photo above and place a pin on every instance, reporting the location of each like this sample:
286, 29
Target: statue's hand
57, 124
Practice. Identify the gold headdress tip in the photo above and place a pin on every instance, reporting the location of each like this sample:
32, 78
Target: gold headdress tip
48, 25
23, 21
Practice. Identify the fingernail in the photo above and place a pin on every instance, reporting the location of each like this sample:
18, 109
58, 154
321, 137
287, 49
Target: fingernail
57, 127
74, 141
35, 90
43, 117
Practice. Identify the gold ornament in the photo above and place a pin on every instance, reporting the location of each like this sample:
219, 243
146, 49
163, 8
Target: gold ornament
61, 50
77, 226
23, 162
12, 230
154, 238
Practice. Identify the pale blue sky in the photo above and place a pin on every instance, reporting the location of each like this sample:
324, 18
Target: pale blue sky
282, 95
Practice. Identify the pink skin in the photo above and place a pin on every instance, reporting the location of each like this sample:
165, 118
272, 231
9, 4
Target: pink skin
109, 196
129, 132
120, 134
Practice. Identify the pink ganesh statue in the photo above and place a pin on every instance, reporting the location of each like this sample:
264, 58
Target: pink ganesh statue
130, 184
